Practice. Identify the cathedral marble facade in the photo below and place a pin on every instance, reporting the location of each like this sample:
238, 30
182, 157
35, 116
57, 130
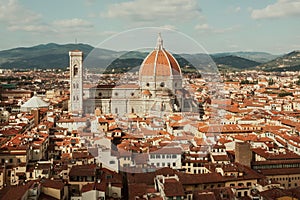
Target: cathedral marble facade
158, 90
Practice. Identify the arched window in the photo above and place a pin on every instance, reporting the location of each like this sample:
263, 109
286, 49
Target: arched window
75, 70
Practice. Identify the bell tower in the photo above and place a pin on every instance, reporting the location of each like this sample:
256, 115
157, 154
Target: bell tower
76, 76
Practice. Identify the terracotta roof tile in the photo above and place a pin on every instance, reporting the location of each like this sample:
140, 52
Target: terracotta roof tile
173, 188
94, 186
83, 170
55, 184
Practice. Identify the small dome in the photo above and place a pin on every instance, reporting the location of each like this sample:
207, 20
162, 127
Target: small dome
160, 62
34, 102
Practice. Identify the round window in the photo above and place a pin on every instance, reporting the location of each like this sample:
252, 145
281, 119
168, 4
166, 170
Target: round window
162, 84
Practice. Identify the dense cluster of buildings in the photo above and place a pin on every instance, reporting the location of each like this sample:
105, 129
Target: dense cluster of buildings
163, 136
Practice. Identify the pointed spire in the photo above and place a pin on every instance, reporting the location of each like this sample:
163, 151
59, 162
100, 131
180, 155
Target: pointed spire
159, 44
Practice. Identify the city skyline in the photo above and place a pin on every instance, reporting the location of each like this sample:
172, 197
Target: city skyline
185, 103
268, 26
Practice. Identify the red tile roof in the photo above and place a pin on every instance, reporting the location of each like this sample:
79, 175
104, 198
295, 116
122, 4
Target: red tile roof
173, 188
275, 156
83, 170
15, 192
55, 184
94, 186
220, 157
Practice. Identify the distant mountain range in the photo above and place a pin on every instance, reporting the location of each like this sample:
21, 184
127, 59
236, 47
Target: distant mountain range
235, 62
42, 56
260, 57
56, 56
287, 62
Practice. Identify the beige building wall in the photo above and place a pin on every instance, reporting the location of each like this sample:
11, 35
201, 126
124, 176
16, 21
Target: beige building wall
125, 161
13, 159
190, 168
287, 181
1, 178
79, 184
247, 183
93, 195
51, 192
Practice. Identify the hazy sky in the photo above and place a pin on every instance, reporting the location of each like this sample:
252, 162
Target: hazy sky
218, 25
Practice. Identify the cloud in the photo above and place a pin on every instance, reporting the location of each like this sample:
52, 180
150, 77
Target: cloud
233, 46
203, 27
13, 13
295, 46
282, 8
30, 28
58, 26
72, 23
209, 29
237, 9
108, 33
66, 26
143, 10
18, 18
90, 2
168, 26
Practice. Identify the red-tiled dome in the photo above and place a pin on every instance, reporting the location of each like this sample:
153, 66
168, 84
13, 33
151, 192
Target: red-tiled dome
160, 62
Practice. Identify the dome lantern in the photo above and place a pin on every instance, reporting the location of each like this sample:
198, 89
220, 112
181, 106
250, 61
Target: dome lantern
159, 45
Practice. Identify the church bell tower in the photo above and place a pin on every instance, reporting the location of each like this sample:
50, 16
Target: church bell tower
76, 76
